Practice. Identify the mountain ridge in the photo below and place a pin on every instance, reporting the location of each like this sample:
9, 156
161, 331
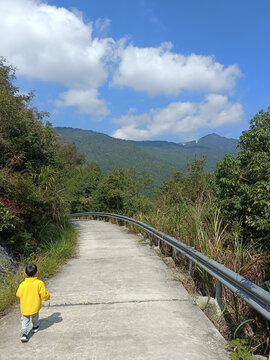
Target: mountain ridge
155, 157
109, 153
212, 145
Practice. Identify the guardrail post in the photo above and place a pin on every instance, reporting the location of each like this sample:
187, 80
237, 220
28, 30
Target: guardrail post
219, 294
190, 270
151, 239
174, 254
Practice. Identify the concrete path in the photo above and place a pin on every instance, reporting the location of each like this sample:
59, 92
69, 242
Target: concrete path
116, 300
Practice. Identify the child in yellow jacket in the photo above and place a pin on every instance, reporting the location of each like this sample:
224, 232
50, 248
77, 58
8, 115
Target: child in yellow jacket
30, 292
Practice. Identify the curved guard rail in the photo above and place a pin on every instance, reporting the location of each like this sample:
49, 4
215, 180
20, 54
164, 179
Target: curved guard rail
254, 295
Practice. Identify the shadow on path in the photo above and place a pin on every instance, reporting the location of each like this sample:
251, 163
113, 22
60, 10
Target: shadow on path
45, 323
50, 320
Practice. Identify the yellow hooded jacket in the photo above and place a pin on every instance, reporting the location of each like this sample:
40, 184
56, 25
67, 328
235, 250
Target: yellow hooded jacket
30, 292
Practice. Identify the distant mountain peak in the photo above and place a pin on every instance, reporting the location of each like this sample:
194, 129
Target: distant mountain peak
211, 141
214, 136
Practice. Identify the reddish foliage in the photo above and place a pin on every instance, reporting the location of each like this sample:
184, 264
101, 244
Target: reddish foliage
15, 207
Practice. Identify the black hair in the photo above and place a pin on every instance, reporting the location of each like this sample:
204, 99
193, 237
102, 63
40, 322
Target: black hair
31, 270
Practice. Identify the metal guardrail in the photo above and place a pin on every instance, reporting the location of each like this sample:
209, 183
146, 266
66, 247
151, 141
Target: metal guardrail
254, 295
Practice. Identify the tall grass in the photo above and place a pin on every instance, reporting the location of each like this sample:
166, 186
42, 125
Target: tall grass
56, 252
202, 226
59, 243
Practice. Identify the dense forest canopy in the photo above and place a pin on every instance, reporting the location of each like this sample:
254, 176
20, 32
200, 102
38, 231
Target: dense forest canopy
147, 157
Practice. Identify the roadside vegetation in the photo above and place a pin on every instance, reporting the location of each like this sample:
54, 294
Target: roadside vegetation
224, 214
36, 172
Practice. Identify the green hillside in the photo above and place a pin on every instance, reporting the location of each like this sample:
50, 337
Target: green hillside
213, 145
164, 150
109, 153
153, 157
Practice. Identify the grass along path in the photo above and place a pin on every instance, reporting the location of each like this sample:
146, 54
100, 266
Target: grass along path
55, 253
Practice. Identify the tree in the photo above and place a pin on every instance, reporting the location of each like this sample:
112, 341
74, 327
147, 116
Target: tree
119, 192
187, 187
87, 179
242, 184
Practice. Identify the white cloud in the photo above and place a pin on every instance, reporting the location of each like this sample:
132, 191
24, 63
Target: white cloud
53, 44
159, 71
179, 118
86, 100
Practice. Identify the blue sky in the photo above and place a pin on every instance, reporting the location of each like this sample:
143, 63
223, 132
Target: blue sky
142, 69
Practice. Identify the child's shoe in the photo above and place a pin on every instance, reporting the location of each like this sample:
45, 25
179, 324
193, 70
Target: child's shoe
35, 329
24, 338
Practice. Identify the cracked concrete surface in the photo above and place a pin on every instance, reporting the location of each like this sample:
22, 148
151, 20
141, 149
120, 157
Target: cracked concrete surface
115, 300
